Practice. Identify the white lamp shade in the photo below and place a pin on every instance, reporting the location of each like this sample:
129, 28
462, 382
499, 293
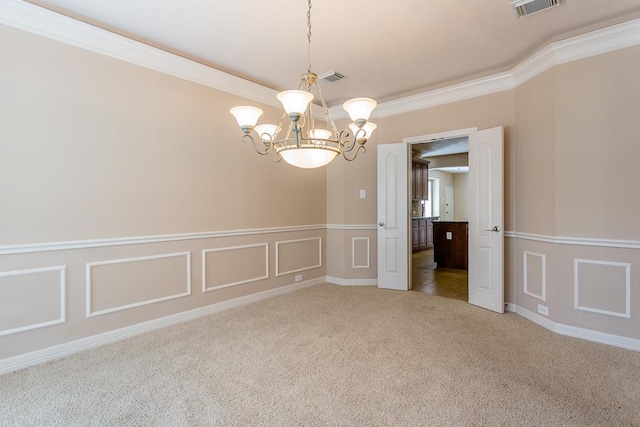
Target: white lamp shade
295, 101
246, 116
267, 132
319, 133
368, 129
359, 108
308, 156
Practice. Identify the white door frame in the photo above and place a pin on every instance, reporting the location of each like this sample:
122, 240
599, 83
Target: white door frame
460, 133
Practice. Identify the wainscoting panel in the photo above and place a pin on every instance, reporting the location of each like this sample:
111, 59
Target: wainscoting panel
602, 287
32, 298
293, 256
235, 265
120, 284
534, 275
361, 252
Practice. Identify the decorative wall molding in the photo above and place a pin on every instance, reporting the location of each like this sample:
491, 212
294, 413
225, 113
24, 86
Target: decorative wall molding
576, 287
543, 275
62, 270
578, 241
40, 356
240, 282
89, 293
37, 20
351, 227
586, 334
352, 282
353, 252
297, 270
122, 241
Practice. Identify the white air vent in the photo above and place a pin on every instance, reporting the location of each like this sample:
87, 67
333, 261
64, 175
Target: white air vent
331, 76
524, 8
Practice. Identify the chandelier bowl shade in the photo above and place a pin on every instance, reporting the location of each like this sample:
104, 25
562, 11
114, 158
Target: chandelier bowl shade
308, 156
246, 116
295, 101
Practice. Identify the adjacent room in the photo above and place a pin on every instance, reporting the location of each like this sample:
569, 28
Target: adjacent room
236, 213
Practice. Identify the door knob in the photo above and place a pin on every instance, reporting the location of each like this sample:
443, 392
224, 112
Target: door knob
381, 224
495, 229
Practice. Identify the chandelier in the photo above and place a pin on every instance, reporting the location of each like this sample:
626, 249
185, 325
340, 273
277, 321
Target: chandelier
303, 144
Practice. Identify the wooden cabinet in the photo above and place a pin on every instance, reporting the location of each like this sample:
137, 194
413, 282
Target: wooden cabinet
421, 233
451, 252
419, 179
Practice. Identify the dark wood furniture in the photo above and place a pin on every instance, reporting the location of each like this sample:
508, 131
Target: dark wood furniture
419, 179
452, 252
422, 233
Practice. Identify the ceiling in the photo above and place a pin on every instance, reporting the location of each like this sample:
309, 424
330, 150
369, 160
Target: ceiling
386, 49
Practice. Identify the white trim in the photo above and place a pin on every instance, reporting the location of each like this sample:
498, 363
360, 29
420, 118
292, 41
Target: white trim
311, 267
351, 227
37, 20
62, 269
543, 296
353, 252
510, 234
40, 356
121, 241
52, 25
578, 241
240, 282
90, 265
440, 135
510, 307
576, 287
352, 282
586, 334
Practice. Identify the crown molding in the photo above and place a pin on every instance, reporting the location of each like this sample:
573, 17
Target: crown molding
43, 22
37, 20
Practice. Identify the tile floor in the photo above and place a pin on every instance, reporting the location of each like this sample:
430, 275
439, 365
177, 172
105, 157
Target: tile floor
444, 282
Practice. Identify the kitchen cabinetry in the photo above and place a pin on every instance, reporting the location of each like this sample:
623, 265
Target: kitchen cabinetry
422, 233
419, 179
451, 244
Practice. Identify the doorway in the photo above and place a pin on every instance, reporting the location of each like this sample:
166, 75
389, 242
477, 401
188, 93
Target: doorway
440, 267
486, 215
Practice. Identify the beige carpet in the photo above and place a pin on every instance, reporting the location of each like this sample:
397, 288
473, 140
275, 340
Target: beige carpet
331, 355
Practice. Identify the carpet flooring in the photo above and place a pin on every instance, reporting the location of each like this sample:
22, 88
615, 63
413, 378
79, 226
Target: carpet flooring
335, 356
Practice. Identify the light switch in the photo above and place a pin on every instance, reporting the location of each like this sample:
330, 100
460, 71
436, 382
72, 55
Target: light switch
363, 194
449, 235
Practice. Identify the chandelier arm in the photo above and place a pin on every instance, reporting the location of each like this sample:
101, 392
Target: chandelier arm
247, 136
360, 147
346, 144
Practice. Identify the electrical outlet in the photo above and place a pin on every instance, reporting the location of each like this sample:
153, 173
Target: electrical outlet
449, 235
542, 309
363, 194
299, 278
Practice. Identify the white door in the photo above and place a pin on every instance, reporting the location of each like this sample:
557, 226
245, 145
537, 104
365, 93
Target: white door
486, 220
448, 203
393, 216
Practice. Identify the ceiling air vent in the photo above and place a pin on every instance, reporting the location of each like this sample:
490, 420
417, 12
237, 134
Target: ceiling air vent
331, 76
523, 8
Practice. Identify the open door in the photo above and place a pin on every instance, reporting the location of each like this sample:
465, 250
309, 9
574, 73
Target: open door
486, 219
393, 213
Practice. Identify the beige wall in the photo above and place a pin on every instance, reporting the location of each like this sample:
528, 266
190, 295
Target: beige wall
444, 180
94, 148
461, 186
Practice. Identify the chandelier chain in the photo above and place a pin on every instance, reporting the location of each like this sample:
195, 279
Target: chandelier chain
309, 34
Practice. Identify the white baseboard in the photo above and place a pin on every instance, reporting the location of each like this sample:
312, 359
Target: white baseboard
510, 307
573, 331
51, 353
352, 282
